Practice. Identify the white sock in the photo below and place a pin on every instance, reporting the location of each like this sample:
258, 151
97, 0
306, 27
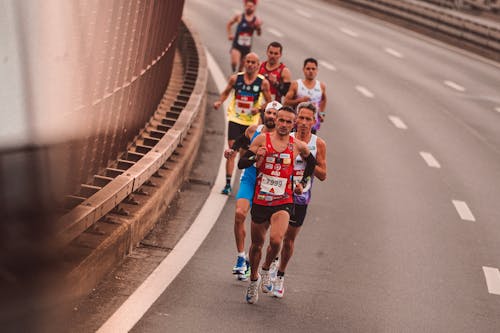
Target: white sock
242, 254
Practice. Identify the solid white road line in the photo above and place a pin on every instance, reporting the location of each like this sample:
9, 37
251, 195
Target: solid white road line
275, 32
492, 276
303, 13
349, 32
497, 109
365, 92
430, 160
327, 65
393, 52
132, 310
398, 122
454, 85
463, 210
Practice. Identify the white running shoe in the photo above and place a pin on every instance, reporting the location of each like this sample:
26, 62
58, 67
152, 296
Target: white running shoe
267, 285
278, 287
273, 269
252, 295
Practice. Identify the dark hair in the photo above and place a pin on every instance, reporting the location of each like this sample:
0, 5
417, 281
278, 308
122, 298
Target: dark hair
275, 44
288, 109
314, 61
307, 105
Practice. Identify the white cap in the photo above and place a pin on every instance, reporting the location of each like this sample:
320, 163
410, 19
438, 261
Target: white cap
274, 105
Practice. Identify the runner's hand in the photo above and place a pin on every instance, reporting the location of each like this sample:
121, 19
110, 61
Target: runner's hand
298, 189
217, 104
228, 153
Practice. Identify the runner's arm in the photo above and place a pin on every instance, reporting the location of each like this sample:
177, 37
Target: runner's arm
226, 92
320, 169
232, 21
285, 83
290, 97
322, 103
254, 154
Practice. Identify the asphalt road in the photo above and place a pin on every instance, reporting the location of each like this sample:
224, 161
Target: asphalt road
404, 235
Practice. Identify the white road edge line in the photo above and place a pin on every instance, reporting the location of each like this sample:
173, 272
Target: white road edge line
463, 210
327, 65
492, 276
132, 310
398, 122
349, 32
430, 160
497, 109
393, 52
303, 13
275, 32
454, 85
365, 92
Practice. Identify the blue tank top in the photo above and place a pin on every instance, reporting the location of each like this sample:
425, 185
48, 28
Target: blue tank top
244, 32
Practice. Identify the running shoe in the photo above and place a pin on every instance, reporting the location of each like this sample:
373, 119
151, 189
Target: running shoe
278, 287
226, 190
252, 295
273, 269
241, 265
246, 276
267, 285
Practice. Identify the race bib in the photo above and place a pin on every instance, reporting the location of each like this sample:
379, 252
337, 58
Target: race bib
273, 185
244, 105
245, 40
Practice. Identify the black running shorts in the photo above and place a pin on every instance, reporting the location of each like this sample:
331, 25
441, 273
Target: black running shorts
235, 130
298, 216
261, 214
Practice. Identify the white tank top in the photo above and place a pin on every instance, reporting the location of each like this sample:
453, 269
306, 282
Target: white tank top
314, 93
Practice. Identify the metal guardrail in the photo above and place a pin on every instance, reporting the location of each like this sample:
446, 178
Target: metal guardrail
84, 215
480, 34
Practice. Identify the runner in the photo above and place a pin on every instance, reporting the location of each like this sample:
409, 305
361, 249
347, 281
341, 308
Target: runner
250, 88
309, 89
247, 186
242, 38
276, 72
305, 121
273, 154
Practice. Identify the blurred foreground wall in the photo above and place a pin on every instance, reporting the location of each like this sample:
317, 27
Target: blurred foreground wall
78, 80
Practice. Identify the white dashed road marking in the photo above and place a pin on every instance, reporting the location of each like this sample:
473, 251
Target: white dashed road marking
365, 92
327, 65
349, 32
393, 52
303, 13
497, 109
454, 85
463, 210
430, 160
398, 122
492, 276
275, 32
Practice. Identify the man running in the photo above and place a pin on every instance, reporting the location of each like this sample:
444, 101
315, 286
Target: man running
247, 187
305, 121
273, 154
250, 88
276, 72
247, 23
309, 89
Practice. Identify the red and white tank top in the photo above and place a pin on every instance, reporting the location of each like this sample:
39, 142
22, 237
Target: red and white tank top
275, 93
274, 185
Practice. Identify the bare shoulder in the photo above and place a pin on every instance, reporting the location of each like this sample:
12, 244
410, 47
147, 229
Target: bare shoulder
250, 130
